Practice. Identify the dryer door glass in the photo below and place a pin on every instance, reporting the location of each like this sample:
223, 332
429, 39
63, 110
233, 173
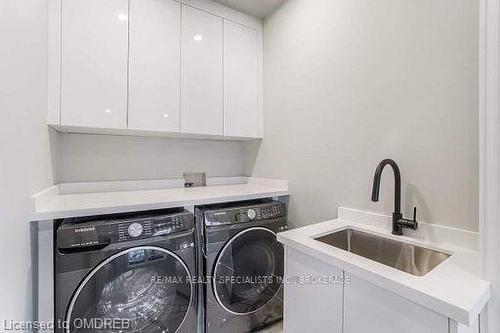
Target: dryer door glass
249, 271
143, 289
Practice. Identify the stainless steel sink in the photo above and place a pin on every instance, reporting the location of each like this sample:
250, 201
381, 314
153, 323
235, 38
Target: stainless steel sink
406, 257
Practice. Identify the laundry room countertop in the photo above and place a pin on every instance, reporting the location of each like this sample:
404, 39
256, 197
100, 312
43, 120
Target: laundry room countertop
59, 202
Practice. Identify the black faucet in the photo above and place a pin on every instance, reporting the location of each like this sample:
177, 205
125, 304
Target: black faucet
398, 222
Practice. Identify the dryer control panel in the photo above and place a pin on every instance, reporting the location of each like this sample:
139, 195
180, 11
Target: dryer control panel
245, 213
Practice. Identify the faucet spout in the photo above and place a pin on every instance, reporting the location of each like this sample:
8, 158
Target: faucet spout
398, 222
397, 183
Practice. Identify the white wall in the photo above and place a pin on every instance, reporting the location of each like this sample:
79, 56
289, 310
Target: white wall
489, 138
348, 83
24, 145
85, 157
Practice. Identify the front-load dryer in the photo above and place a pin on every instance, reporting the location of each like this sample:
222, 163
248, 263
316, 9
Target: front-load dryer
243, 265
126, 273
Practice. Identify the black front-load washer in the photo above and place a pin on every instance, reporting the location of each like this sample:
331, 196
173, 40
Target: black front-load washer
243, 264
126, 273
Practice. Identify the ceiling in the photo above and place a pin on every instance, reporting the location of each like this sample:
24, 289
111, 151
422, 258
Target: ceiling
258, 8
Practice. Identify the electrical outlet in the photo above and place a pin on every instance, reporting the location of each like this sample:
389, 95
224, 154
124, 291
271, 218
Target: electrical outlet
192, 179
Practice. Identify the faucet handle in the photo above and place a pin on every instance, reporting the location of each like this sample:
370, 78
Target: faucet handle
414, 214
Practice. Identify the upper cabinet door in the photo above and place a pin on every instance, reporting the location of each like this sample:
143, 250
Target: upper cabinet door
241, 84
201, 72
94, 63
154, 94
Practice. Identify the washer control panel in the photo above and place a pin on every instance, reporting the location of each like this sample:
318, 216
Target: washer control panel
245, 214
155, 226
171, 224
133, 229
80, 233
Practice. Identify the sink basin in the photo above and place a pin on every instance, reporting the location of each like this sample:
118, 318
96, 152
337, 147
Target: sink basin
406, 257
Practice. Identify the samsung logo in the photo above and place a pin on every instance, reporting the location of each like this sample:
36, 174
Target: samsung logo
85, 229
219, 213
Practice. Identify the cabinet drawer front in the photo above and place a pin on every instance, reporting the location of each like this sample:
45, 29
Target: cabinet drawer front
154, 72
94, 63
201, 72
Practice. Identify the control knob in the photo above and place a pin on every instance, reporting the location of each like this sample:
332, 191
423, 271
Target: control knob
135, 230
251, 214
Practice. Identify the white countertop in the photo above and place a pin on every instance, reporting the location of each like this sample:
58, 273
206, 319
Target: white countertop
452, 289
52, 205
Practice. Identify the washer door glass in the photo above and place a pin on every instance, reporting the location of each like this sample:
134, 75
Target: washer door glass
249, 271
143, 289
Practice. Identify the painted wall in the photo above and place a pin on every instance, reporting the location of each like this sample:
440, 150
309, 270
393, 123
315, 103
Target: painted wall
85, 157
348, 83
25, 166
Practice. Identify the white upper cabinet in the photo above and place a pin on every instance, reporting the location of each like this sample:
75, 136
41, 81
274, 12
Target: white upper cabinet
154, 72
241, 81
153, 67
94, 63
201, 72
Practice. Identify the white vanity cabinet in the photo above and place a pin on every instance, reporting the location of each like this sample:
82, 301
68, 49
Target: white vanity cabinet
94, 44
355, 306
154, 67
311, 306
368, 308
154, 71
201, 72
